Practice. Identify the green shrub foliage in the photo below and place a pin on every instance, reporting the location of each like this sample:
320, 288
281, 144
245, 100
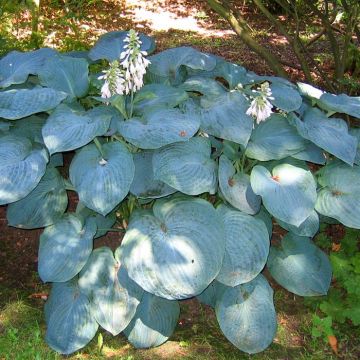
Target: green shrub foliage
200, 161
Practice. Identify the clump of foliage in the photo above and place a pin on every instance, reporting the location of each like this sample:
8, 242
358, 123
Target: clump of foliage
202, 155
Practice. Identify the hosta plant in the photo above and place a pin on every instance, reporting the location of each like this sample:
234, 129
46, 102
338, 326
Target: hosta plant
197, 158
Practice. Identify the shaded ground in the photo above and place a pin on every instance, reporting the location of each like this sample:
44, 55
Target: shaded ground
197, 335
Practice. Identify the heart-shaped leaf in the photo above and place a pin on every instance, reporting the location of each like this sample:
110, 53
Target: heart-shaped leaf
64, 248
176, 251
300, 266
16, 104
159, 128
246, 315
113, 294
339, 197
246, 247
187, 166
144, 185
307, 228
102, 182
289, 193
43, 206
67, 129
71, 324
21, 167
236, 188
154, 322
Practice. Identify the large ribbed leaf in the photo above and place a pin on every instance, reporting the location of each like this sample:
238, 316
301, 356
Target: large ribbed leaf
246, 315
43, 206
71, 324
212, 293
159, 128
64, 248
341, 104
285, 97
226, 118
300, 266
206, 86
21, 167
307, 228
158, 95
67, 74
311, 153
274, 139
113, 294
102, 182
187, 166
16, 66
154, 321
111, 45
328, 133
176, 251
339, 197
144, 185
236, 188
16, 104
289, 193
67, 129
103, 223
30, 127
246, 247
166, 66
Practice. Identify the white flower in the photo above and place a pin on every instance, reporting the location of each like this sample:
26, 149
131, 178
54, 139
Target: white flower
114, 81
260, 107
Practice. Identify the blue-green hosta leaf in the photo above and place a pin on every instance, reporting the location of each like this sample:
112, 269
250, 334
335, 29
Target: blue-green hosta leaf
16, 66
29, 127
71, 324
356, 133
43, 206
154, 321
206, 86
311, 153
56, 160
176, 251
265, 217
246, 247
102, 183
187, 166
328, 133
159, 128
166, 66
103, 223
113, 294
285, 98
300, 266
253, 78
21, 167
17, 104
67, 129
64, 248
144, 185
246, 315
225, 118
308, 228
5, 126
289, 194
212, 293
309, 91
236, 188
341, 104
111, 45
339, 197
274, 139
158, 95
66, 74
